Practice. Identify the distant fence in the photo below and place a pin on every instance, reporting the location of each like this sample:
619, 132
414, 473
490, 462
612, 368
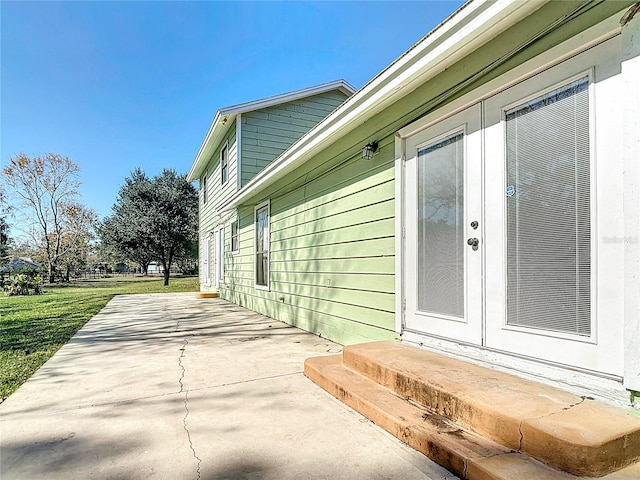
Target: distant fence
92, 274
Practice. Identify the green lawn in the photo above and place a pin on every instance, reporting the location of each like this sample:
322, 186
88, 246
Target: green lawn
33, 328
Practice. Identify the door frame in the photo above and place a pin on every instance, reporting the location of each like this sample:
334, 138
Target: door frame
218, 262
601, 33
206, 259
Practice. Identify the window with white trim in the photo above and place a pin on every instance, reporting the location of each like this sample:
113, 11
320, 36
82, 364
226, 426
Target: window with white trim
262, 247
235, 238
549, 215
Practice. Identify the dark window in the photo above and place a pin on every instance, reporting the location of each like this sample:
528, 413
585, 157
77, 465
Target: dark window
224, 164
235, 246
203, 187
262, 246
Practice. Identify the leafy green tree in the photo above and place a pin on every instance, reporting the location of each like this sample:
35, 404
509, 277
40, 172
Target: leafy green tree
153, 219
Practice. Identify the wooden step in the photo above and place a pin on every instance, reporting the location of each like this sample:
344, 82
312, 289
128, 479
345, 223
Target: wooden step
207, 295
468, 418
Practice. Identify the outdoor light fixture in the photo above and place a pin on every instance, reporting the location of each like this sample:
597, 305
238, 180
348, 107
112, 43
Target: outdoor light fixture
368, 150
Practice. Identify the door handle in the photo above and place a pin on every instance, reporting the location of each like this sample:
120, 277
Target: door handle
473, 242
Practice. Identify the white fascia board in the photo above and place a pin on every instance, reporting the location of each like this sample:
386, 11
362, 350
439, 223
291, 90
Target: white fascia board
470, 27
341, 85
225, 116
216, 132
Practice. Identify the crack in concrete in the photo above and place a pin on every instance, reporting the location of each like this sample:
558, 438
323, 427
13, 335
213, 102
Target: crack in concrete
186, 429
184, 347
583, 399
521, 437
183, 370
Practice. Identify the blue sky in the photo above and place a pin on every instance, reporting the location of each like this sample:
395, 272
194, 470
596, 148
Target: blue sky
119, 85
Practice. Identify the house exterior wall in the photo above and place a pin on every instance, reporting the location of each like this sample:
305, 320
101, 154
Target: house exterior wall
268, 132
331, 258
209, 216
335, 230
333, 225
631, 207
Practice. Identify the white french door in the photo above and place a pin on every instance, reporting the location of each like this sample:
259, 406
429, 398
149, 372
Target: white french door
443, 209
540, 236
501, 218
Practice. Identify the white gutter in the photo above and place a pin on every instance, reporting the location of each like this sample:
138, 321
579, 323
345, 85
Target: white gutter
472, 26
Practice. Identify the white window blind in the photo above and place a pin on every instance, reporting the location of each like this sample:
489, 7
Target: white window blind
548, 212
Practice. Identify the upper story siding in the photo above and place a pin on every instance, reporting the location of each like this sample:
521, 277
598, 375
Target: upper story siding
268, 132
216, 191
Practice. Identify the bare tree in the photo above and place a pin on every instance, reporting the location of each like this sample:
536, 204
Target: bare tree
46, 188
79, 232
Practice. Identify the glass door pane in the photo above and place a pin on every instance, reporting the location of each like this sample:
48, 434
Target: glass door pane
441, 239
548, 211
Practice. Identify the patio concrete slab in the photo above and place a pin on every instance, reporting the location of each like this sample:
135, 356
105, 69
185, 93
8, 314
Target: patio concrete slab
167, 386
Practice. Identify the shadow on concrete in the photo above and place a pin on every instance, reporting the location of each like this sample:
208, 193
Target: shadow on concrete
49, 456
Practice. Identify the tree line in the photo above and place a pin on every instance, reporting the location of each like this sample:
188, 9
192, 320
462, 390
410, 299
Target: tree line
154, 219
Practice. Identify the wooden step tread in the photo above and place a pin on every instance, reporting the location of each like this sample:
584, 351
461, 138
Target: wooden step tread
570, 433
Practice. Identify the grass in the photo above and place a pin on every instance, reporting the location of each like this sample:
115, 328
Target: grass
33, 328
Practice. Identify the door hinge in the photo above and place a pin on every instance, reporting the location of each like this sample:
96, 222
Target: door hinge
404, 232
404, 304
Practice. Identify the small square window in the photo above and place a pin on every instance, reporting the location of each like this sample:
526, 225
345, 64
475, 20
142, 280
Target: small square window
224, 164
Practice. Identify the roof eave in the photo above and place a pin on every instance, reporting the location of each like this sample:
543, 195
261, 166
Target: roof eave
225, 116
466, 30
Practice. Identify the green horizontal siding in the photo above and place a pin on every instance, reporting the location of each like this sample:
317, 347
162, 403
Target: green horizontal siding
216, 193
331, 255
332, 221
311, 317
268, 132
